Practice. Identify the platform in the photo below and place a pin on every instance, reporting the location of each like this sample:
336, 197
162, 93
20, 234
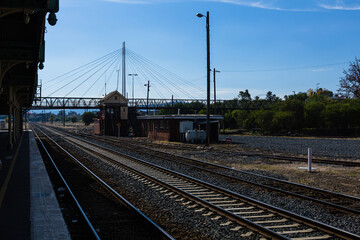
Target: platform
28, 205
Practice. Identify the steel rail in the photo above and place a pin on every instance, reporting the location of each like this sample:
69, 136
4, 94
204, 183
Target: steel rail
277, 157
158, 154
336, 206
297, 218
68, 188
164, 234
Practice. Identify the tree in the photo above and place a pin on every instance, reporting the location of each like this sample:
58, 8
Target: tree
350, 83
73, 119
88, 117
51, 118
245, 98
271, 97
313, 113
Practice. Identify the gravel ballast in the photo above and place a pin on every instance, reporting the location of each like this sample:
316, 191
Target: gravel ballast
327, 147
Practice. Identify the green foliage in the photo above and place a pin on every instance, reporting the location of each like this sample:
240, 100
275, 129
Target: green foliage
240, 116
202, 111
313, 113
263, 119
284, 121
88, 117
51, 118
186, 108
73, 119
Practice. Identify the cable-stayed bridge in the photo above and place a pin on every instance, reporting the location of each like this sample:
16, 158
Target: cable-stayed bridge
104, 74
118, 67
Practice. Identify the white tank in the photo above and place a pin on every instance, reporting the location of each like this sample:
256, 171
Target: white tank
195, 136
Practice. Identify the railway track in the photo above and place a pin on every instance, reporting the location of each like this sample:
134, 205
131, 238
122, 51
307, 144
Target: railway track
337, 201
218, 203
128, 223
260, 155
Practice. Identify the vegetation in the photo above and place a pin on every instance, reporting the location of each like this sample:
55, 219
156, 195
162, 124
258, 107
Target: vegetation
350, 83
70, 116
314, 112
88, 117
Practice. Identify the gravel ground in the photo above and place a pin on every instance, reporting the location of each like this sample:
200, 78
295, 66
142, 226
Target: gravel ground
305, 208
344, 148
292, 145
176, 219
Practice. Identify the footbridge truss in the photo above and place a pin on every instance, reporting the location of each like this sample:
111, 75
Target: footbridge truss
94, 103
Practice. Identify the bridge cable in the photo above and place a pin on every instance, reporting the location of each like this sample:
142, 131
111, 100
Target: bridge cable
101, 75
150, 69
148, 73
116, 57
168, 72
75, 79
90, 63
88, 67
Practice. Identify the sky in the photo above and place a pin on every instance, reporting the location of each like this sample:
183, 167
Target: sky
282, 46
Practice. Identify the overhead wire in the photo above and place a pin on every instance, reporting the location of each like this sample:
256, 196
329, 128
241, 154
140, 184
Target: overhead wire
284, 69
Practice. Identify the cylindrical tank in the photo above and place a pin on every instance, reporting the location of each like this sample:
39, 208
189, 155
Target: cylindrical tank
195, 136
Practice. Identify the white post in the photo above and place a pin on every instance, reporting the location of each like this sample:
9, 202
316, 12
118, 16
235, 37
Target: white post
309, 159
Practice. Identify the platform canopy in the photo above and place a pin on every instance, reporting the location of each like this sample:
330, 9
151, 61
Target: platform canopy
22, 49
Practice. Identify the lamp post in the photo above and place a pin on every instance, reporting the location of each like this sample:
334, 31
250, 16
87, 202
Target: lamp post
215, 71
208, 75
133, 75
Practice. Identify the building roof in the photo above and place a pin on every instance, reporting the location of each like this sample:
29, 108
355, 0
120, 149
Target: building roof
114, 97
180, 117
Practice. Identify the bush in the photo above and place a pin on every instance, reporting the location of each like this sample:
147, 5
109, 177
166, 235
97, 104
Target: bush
88, 117
73, 119
284, 121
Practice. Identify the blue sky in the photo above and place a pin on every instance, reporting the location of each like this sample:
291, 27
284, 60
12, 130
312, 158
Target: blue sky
275, 45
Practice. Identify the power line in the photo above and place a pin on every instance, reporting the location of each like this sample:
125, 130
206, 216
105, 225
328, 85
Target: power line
286, 69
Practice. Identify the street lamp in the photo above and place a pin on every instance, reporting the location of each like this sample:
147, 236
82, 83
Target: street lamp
133, 75
208, 76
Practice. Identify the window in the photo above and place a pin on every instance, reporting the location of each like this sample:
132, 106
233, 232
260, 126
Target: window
161, 124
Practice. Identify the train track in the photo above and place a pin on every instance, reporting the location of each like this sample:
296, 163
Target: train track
218, 203
337, 201
129, 223
260, 155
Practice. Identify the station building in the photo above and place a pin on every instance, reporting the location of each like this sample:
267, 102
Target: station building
174, 127
114, 116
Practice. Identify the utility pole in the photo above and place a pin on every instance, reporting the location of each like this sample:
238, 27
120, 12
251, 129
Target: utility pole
147, 98
215, 71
